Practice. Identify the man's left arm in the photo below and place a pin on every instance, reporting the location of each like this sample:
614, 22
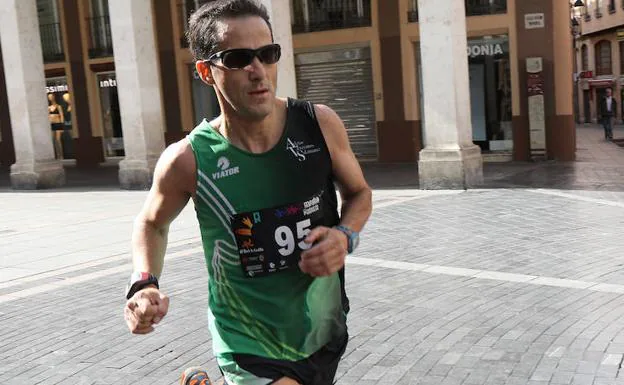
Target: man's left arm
328, 254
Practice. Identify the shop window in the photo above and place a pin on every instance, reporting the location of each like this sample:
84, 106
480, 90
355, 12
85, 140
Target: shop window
60, 116
585, 57
603, 58
111, 116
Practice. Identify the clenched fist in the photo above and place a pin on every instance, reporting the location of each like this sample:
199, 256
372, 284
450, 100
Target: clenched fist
145, 309
327, 255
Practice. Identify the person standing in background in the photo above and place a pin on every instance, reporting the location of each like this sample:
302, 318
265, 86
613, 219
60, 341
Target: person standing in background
608, 111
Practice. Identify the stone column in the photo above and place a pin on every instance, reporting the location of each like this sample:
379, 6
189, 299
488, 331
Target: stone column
279, 14
562, 143
449, 160
7, 151
138, 84
35, 166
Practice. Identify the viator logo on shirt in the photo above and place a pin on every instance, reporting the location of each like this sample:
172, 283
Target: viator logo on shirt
226, 170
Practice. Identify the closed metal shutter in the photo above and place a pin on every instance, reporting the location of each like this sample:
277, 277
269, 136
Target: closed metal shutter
343, 80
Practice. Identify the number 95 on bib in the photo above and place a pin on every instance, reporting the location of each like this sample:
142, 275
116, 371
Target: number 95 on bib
271, 240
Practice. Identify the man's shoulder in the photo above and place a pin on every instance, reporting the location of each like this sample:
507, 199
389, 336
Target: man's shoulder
179, 156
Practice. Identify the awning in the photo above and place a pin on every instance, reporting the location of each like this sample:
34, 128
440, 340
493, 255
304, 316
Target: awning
600, 82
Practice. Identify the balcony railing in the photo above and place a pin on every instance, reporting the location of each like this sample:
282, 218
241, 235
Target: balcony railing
51, 42
323, 15
587, 16
473, 8
101, 43
598, 13
485, 7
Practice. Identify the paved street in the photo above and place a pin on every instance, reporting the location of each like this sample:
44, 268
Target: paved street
520, 282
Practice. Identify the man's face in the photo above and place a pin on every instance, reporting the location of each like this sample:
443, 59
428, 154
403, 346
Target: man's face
249, 92
609, 92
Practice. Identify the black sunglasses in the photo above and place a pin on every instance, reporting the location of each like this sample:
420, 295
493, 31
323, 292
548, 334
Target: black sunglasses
239, 58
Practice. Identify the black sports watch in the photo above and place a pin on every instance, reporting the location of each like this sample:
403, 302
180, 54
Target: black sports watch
139, 280
353, 237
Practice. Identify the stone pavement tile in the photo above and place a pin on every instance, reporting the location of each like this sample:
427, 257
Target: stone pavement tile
452, 381
607, 371
477, 376
561, 377
375, 373
393, 375
604, 381
493, 355
497, 379
616, 348
458, 373
513, 380
587, 367
583, 379
450, 358
431, 380
468, 362
440, 370
611, 360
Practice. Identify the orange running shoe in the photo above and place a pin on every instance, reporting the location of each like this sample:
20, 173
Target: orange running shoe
195, 376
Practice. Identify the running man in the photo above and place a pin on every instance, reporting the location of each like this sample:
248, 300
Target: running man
262, 177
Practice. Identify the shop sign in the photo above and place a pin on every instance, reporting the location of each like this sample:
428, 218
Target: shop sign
107, 83
619, 35
485, 50
50, 89
586, 74
534, 20
487, 46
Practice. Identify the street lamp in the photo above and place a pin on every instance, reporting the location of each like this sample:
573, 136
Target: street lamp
578, 3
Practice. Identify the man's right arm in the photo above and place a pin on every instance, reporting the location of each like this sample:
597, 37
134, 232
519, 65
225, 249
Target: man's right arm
173, 185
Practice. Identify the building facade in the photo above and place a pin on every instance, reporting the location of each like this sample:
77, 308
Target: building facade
599, 53
360, 57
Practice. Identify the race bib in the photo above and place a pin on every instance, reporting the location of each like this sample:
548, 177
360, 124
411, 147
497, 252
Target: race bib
271, 240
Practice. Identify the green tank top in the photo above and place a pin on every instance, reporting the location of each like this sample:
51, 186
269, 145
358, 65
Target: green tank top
244, 203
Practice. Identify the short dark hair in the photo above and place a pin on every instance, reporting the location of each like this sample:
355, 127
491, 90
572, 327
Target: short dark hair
203, 32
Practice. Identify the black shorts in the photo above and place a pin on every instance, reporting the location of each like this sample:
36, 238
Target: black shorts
318, 369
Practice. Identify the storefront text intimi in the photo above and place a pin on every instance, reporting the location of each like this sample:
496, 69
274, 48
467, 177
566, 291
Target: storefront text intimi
108, 83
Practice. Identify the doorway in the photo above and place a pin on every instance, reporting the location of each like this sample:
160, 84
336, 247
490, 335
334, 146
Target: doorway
111, 116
